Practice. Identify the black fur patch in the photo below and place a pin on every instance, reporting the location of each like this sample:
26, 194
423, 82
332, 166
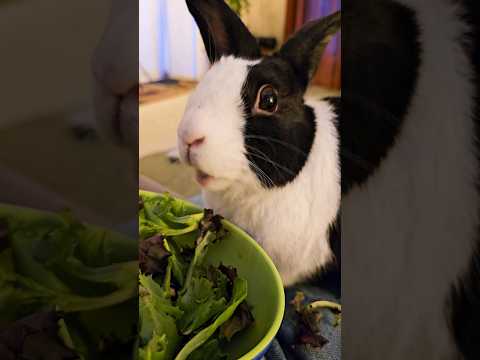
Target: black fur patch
465, 295
330, 278
305, 49
366, 134
277, 145
222, 31
379, 74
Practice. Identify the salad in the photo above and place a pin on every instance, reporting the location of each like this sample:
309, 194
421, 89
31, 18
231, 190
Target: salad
68, 291
188, 308
74, 291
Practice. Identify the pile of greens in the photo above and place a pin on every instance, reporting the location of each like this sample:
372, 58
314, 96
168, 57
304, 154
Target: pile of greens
188, 309
68, 291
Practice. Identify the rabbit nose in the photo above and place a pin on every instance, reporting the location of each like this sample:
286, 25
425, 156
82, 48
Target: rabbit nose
192, 144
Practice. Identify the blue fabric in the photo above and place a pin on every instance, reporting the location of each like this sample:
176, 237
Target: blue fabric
284, 346
261, 356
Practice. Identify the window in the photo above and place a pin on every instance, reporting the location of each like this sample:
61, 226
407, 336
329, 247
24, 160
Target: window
170, 45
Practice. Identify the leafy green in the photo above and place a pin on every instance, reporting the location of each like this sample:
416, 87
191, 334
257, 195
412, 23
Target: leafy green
239, 6
160, 215
21, 296
158, 330
239, 295
178, 264
211, 350
45, 252
54, 264
35, 337
159, 297
187, 307
200, 303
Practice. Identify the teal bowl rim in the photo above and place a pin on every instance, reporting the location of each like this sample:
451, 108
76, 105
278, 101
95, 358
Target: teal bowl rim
265, 342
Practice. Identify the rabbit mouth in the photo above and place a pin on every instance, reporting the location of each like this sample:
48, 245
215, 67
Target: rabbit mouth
203, 178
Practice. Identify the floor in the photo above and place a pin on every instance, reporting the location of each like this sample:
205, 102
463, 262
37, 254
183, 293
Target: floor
93, 174
159, 119
85, 171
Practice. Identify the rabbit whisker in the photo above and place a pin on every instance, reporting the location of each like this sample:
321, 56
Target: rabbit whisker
263, 156
262, 174
280, 142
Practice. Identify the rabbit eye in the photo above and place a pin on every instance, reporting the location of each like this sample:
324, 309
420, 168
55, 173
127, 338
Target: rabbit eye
266, 99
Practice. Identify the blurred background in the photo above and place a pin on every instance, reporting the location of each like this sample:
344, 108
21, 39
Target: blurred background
51, 157
172, 60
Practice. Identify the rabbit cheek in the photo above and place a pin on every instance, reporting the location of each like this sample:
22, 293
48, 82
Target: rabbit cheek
277, 148
277, 138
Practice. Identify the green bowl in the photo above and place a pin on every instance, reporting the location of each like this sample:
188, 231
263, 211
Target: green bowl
265, 289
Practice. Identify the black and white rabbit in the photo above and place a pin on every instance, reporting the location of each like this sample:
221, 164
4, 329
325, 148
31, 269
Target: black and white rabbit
407, 139
266, 159
409, 131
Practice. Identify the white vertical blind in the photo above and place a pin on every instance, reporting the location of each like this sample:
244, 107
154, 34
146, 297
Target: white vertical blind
149, 40
170, 44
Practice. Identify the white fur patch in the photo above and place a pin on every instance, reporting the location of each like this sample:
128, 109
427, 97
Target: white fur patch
214, 111
291, 222
408, 233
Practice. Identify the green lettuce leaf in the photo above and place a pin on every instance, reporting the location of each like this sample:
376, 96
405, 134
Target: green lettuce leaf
161, 215
158, 330
53, 263
35, 337
186, 307
239, 295
200, 303
210, 350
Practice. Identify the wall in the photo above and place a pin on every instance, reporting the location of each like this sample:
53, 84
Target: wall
29, 64
267, 18
175, 48
170, 43
49, 61
187, 57
151, 65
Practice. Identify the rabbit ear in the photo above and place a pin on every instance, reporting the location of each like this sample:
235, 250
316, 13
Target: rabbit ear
222, 31
304, 50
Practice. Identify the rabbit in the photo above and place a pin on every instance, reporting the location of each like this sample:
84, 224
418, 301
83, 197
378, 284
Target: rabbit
265, 158
404, 141
409, 131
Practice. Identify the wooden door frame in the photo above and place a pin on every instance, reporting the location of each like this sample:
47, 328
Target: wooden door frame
295, 15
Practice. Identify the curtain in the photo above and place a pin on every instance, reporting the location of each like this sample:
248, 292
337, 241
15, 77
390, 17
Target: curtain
302, 11
329, 69
150, 40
